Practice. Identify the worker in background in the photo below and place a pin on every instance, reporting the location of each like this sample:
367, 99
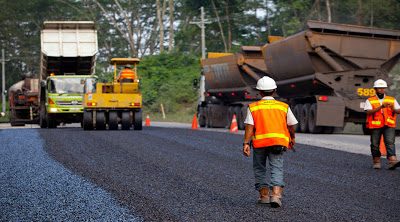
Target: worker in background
127, 74
381, 120
270, 129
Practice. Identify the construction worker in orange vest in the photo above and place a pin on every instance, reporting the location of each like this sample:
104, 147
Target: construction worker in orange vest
381, 120
127, 74
270, 129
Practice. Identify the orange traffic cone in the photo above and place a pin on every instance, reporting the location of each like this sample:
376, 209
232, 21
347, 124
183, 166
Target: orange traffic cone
382, 147
147, 123
194, 122
234, 126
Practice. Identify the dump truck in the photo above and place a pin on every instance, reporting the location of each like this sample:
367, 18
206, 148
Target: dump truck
325, 73
23, 99
68, 55
114, 103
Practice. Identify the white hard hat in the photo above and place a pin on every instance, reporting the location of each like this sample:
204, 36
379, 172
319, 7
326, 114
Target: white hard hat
266, 83
380, 83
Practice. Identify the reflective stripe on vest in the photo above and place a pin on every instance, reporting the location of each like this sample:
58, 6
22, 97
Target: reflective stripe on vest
383, 117
270, 123
271, 135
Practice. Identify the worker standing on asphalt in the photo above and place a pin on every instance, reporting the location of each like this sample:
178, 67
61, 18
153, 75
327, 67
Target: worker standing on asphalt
381, 120
269, 126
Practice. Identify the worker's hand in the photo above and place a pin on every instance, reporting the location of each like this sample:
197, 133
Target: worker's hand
246, 150
387, 105
291, 143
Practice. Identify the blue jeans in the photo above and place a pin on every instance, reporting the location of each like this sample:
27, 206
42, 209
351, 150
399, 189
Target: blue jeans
275, 162
388, 137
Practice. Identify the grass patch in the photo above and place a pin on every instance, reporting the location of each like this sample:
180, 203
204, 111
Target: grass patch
183, 115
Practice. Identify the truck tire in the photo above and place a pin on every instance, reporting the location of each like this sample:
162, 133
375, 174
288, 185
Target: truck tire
202, 117
113, 120
51, 122
87, 120
239, 117
100, 121
328, 129
42, 117
137, 120
126, 120
304, 117
209, 118
312, 120
229, 115
296, 113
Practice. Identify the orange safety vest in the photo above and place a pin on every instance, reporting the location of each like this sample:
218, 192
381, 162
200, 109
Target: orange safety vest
126, 74
384, 117
270, 123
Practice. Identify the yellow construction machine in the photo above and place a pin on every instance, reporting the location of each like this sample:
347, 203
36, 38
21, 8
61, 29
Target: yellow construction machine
116, 102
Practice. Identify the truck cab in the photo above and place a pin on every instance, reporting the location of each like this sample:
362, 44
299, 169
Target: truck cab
68, 55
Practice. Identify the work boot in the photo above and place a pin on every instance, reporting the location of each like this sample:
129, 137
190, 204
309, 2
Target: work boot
393, 162
264, 196
376, 163
276, 197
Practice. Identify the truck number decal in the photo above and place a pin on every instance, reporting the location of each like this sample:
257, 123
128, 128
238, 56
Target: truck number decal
365, 92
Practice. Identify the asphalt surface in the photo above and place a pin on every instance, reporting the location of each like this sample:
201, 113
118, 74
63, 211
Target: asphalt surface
171, 174
34, 187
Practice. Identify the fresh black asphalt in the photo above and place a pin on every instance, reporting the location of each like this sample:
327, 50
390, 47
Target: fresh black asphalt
34, 187
167, 174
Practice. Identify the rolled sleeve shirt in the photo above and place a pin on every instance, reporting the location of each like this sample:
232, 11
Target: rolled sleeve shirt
290, 118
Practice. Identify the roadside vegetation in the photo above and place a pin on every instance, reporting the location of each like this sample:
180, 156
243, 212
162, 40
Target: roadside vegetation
164, 35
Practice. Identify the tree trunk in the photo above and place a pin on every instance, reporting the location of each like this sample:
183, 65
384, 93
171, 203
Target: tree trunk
128, 37
229, 25
359, 13
171, 26
160, 16
328, 11
318, 7
372, 14
130, 30
267, 18
220, 25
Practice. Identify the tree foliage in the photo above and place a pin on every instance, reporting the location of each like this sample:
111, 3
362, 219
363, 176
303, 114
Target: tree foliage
167, 78
131, 28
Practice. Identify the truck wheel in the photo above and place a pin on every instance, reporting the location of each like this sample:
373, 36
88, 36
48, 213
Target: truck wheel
137, 123
297, 114
100, 121
229, 115
328, 129
51, 122
202, 117
304, 117
113, 120
87, 120
126, 120
312, 120
239, 117
42, 117
209, 118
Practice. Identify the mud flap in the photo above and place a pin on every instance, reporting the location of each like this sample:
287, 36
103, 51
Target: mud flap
330, 112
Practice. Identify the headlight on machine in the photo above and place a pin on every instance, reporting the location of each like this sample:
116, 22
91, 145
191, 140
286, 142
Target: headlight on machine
53, 110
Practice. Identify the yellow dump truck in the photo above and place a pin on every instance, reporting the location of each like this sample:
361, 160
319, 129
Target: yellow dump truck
116, 102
